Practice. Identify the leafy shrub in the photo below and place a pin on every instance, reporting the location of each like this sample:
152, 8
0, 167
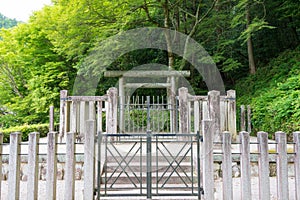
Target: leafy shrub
274, 94
139, 117
43, 129
159, 119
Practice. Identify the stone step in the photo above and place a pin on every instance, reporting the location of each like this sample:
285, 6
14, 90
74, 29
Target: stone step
160, 148
143, 158
138, 178
142, 167
155, 187
154, 198
127, 192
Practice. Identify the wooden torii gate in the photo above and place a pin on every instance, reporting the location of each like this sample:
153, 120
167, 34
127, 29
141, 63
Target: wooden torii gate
169, 85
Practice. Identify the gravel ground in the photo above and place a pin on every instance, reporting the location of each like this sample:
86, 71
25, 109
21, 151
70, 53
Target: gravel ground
254, 188
218, 190
42, 190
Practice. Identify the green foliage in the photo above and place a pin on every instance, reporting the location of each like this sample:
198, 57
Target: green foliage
6, 22
31, 76
274, 94
43, 129
139, 117
40, 58
158, 119
256, 25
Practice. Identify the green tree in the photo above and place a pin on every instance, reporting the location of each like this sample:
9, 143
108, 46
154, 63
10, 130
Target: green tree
32, 73
250, 14
6, 22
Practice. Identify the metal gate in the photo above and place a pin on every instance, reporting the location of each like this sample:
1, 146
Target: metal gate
133, 114
150, 165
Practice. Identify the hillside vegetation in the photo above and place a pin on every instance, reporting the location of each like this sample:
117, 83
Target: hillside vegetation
274, 94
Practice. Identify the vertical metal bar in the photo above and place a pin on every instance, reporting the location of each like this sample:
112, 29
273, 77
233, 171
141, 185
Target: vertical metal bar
141, 165
99, 140
176, 115
135, 107
198, 165
105, 181
192, 163
155, 123
143, 102
149, 167
122, 104
139, 119
196, 117
189, 117
162, 113
170, 116
156, 169
128, 113
148, 114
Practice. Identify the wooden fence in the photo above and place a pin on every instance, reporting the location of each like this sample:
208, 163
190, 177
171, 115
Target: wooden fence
263, 163
207, 159
220, 108
33, 169
75, 110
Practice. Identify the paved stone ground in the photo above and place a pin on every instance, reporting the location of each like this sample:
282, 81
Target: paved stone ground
42, 195
218, 190
254, 188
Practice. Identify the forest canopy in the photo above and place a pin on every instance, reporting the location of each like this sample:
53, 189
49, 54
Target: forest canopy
42, 57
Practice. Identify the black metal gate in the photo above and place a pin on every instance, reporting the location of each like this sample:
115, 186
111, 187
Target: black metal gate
150, 165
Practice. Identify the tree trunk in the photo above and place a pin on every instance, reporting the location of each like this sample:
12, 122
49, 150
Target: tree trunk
252, 66
167, 34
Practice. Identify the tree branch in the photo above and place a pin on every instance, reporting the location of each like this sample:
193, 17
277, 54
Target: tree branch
146, 9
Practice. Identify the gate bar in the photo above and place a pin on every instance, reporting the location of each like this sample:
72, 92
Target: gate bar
149, 159
149, 166
198, 165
